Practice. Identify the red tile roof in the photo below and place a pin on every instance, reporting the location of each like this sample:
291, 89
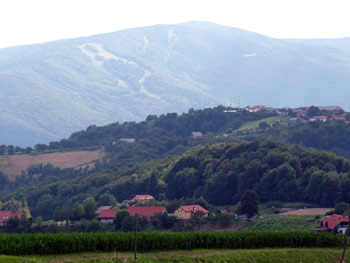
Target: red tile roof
319, 117
194, 208
103, 208
258, 107
146, 211
334, 220
5, 215
144, 197
339, 118
107, 214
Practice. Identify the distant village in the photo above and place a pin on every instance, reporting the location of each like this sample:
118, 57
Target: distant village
301, 114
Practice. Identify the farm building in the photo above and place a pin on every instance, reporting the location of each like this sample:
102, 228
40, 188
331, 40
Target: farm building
146, 211
334, 223
185, 212
6, 215
107, 215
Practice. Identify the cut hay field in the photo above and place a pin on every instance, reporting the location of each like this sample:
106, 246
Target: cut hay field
307, 212
13, 165
287, 255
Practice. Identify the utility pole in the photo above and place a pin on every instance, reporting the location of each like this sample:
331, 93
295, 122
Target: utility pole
135, 239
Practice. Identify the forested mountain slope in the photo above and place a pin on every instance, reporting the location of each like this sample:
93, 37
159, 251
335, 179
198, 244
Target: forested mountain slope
50, 90
220, 173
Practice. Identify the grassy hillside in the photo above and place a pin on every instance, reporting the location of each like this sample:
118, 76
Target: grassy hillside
255, 124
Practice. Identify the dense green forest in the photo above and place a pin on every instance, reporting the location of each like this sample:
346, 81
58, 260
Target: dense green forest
219, 173
169, 134
167, 162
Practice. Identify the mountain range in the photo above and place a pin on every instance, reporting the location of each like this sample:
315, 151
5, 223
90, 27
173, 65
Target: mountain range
48, 91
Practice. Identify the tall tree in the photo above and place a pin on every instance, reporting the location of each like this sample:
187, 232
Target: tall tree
89, 207
249, 203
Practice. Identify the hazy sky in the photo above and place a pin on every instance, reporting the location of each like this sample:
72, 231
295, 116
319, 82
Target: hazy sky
35, 21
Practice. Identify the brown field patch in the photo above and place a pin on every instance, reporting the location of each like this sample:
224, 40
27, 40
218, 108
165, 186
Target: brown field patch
307, 212
18, 163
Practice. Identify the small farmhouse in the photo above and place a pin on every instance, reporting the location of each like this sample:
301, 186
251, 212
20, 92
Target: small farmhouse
107, 215
98, 211
146, 211
318, 118
6, 215
334, 223
186, 212
196, 134
140, 199
129, 140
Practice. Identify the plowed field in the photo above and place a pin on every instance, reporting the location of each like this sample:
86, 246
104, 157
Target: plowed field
13, 165
307, 212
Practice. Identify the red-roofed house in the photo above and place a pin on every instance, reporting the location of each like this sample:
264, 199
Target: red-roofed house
337, 223
146, 211
107, 215
6, 215
318, 118
257, 108
223, 211
302, 114
185, 212
338, 118
141, 199
103, 208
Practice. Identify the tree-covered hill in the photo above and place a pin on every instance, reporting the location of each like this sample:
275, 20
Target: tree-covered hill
158, 136
332, 136
220, 173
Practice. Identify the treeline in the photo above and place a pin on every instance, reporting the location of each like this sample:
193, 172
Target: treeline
11, 149
220, 173
330, 136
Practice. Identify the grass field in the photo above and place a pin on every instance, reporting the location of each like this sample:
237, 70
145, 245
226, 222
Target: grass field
287, 255
287, 222
255, 124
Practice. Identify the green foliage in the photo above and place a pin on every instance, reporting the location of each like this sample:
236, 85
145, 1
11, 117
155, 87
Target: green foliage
280, 223
95, 226
89, 208
49, 244
220, 173
249, 203
340, 208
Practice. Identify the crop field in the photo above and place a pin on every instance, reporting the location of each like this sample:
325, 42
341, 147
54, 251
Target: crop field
286, 255
13, 165
48, 244
274, 223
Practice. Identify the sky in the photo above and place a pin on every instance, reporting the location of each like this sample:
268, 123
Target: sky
38, 21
